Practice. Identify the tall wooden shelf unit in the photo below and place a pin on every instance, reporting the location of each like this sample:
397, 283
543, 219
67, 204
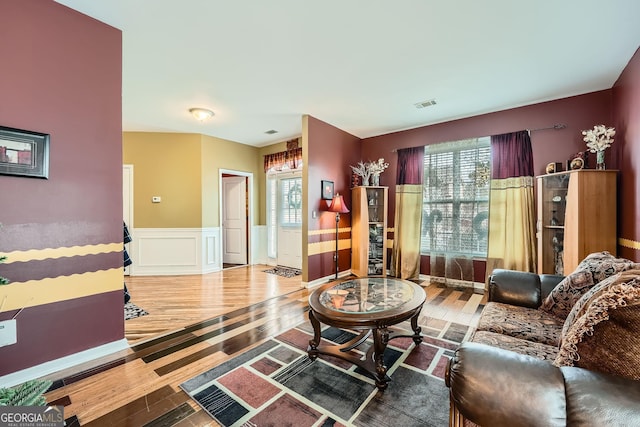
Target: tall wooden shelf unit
576, 217
368, 231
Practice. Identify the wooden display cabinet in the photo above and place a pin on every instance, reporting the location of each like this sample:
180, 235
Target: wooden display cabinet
368, 231
576, 217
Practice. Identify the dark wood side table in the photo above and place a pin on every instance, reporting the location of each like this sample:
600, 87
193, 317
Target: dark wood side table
368, 305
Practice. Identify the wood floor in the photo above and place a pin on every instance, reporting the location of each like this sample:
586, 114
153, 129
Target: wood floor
195, 323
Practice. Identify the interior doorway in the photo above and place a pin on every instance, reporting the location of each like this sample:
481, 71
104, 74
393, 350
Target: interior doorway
236, 189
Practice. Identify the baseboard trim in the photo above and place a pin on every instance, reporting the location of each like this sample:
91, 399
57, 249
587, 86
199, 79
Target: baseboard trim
325, 279
65, 362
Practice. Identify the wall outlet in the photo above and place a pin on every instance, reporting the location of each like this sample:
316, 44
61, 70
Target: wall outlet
8, 332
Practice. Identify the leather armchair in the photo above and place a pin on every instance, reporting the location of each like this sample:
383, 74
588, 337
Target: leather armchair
494, 387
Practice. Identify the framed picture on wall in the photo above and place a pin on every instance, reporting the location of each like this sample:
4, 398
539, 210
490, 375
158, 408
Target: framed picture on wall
327, 190
24, 153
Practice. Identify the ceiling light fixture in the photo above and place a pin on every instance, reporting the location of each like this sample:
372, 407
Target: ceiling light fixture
424, 104
201, 114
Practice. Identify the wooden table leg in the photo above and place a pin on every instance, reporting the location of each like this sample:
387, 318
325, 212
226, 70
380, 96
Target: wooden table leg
312, 350
417, 336
380, 340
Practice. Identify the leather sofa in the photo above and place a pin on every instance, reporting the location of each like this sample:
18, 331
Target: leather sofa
526, 365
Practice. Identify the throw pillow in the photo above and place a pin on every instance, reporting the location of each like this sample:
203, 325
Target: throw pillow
580, 307
591, 270
605, 337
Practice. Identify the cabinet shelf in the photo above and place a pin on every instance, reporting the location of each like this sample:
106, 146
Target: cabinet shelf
368, 231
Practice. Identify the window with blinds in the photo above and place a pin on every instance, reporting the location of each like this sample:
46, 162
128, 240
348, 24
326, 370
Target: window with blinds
456, 197
291, 207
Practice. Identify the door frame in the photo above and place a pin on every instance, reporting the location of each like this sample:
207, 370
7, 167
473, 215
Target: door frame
249, 176
280, 176
128, 168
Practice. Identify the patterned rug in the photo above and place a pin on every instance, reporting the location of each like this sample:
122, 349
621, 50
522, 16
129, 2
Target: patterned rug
132, 311
276, 383
284, 271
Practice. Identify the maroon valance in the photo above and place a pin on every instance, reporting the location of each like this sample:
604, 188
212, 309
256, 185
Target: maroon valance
290, 159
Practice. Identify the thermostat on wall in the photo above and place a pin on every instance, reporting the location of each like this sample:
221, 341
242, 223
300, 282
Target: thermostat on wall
156, 199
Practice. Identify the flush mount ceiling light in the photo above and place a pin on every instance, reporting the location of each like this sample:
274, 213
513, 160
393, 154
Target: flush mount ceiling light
201, 114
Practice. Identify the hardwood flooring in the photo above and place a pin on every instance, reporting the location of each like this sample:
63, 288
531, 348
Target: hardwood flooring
195, 323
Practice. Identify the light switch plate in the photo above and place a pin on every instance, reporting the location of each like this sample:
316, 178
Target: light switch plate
156, 199
8, 332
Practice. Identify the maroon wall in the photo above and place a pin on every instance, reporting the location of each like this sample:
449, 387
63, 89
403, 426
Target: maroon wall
626, 153
61, 75
577, 113
330, 152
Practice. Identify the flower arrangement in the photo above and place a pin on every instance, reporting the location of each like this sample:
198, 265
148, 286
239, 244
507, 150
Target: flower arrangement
599, 139
370, 170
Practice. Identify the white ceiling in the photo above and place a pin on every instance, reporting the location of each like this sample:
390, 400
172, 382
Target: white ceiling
360, 65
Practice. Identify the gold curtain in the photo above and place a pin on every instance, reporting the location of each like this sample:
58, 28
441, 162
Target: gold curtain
405, 256
512, 225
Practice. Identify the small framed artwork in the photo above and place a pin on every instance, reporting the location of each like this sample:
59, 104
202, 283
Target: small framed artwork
24, 153
576, 163
580, 160
327, 190
554, 167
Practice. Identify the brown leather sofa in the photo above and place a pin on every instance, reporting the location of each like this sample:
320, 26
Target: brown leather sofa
522, 383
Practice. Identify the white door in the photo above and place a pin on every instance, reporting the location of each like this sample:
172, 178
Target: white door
289, 212
127, 204
234, 220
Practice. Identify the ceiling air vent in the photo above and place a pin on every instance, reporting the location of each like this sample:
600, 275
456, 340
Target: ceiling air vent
271, 132
425, 103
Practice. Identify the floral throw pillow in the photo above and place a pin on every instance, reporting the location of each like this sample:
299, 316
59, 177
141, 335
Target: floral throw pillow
566, 293
591, 270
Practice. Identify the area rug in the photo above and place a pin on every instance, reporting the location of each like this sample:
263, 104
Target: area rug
275, 384
284, 271
132, 311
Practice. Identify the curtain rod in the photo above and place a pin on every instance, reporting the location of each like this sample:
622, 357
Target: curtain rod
556, 126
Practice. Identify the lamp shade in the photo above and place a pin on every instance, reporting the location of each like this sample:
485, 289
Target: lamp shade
337, 205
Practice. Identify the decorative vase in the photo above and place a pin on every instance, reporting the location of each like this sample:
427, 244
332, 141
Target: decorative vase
600, 160
375, 180
365, 181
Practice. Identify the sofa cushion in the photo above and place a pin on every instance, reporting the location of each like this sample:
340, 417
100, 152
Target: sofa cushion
506, 342
591, 270
520, 322
605, 337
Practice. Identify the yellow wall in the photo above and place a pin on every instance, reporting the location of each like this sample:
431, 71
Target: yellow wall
223, 154
184, 170
165, 165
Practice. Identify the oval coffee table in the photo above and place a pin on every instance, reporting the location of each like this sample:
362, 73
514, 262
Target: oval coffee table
368, 305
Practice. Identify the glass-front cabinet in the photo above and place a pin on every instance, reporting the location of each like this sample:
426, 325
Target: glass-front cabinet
576, 217
368, 231
552, 202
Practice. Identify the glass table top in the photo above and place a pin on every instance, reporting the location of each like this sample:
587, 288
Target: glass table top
367, 295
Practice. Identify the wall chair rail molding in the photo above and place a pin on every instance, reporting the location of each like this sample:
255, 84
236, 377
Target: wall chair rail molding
24, 153
628, 243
